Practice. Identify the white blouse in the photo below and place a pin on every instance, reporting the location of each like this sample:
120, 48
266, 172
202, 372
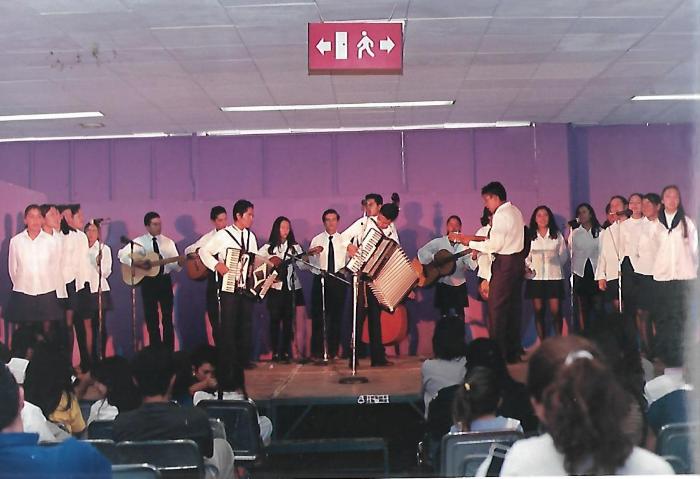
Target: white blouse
31, 262
75, 258
630, 232
284, 252
484, 260
547, 257
647, 247
106, 266
677, 257
584, 247
610, 256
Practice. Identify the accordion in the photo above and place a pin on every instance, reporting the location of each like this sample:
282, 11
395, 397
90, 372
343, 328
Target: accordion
249, 274
382, 261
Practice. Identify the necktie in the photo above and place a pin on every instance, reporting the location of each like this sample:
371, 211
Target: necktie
156, 250
331, 255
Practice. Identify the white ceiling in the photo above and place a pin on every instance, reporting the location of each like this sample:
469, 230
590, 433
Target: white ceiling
167, 65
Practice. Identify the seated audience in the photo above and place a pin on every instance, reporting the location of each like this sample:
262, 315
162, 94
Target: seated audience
515, 401
583, 407
232, 388
476, 402
48, 385
24, 342
448, 366
203, 369
22, 457
671, 380
159, 418
112, 379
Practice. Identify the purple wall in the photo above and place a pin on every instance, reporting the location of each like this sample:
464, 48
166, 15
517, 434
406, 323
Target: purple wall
439, 173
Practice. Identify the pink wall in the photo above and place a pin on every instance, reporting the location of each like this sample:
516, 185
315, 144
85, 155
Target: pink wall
440, 173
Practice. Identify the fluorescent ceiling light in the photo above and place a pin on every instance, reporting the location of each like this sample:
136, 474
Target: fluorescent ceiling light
676, 97
431, 126
157, 134
52, 116
334, 106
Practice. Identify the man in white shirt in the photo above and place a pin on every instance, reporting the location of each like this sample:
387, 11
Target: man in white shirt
354, 234
219, 219
506, 243
330, 260
156, 290
451, 290
236, 308
382, 223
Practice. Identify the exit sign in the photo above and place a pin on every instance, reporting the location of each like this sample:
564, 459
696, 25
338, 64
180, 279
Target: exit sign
355, 48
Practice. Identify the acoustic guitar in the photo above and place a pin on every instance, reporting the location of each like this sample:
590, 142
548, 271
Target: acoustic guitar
444, 263
194, 267
145, 265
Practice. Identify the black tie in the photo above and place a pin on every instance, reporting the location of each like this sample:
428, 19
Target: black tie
331, 255
156, 250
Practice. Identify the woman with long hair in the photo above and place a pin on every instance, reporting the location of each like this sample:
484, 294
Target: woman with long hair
584, 244
585, 411
545, 267
112, 378
282, 249
100, 262
674, 270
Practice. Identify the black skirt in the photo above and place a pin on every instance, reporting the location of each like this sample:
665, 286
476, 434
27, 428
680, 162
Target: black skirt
611, 292
90, 306
586, 286
647, 293
24, 308
544, 289
299, 298
75, 300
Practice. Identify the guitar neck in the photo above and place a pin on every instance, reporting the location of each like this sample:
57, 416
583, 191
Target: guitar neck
462, 253
164, 261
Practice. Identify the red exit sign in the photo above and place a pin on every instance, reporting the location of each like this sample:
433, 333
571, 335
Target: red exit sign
359, 48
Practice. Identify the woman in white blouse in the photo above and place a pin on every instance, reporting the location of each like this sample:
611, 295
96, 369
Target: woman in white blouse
282, 250
584, 244
675, 270
30, 261
545, 269
100, 262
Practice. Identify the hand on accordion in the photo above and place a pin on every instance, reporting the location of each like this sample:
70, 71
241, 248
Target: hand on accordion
221, 268
352, 250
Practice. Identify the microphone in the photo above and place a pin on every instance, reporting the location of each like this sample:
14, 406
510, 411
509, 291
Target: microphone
98, 221
126, 240
573, 224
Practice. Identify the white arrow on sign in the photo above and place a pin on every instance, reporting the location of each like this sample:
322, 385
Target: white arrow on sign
386, 45
323, 46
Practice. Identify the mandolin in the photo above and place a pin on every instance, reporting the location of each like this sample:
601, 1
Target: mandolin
145, 265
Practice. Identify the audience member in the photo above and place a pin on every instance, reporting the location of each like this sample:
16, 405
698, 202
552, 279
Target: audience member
203, 369
159, 418
22, 457
112, 378
448, 366
672, 379
24, 342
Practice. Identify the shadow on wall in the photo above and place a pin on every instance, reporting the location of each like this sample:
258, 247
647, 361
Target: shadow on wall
190, 296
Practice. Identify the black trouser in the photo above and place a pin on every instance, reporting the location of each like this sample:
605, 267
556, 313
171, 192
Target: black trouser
236, 328
505, 303
376, 348
335, 305
213, 307
670, 316
630, 289
451, 300
154, 291
279, 305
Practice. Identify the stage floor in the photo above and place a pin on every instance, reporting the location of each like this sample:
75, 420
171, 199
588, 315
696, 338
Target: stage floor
309, 383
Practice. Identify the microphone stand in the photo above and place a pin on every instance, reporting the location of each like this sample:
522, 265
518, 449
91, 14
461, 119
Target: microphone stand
133, 292
354, 378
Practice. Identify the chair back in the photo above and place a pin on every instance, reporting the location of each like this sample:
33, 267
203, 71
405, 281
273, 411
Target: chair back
135, 471
217, 428
178, 458
462, 453
107, 448
100, 429
674, 441
240, 420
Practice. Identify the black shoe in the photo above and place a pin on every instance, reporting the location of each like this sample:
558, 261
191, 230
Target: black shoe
275, 358
284, 359
381, 364
250, 365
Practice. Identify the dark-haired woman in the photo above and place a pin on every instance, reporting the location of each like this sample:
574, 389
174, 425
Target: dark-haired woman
545, 268
630, 232
447, 368
282, 249
100, 262
584, 244
675, 269
475, 404
74, 267
112, 378
584, 410
31, 262
644, 269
